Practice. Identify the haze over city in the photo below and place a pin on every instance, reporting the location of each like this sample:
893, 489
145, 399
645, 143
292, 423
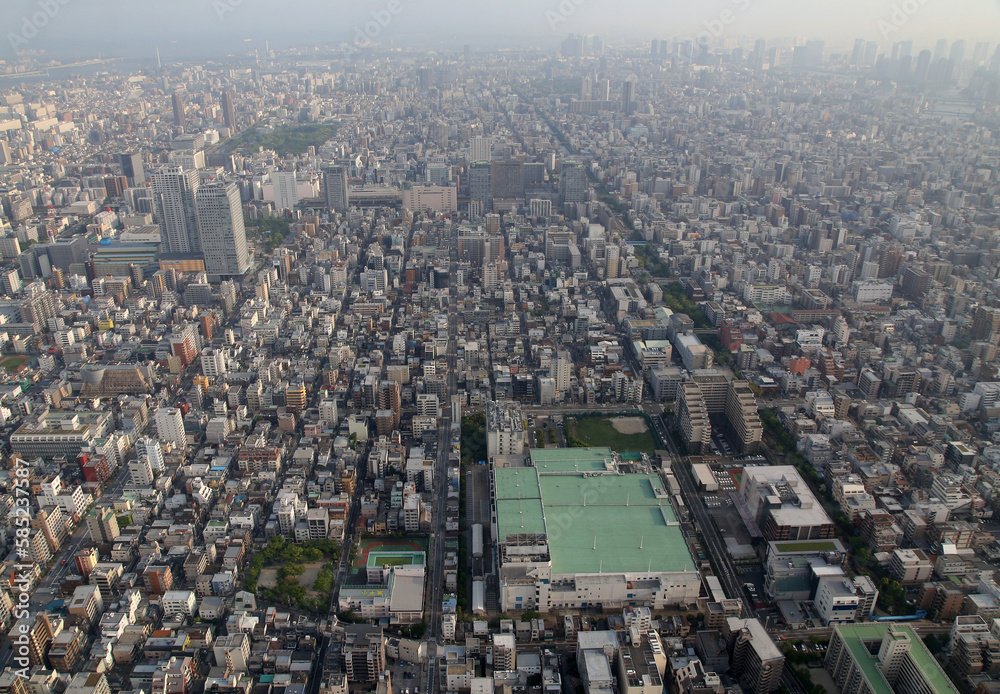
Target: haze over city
549, 347
210, 28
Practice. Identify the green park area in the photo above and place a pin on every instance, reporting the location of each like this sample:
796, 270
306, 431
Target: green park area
621, 434
288, 139
294, 574
13, 363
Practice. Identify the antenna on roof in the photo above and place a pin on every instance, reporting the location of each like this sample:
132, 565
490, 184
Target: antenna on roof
641, 540
650, 566
595, 541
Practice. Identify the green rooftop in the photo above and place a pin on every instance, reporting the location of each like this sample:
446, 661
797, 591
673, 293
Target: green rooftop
628, 518
554, 460
856, 636
809, 546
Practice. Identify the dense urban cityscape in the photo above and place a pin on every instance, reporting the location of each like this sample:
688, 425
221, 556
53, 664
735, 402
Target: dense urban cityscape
616, 368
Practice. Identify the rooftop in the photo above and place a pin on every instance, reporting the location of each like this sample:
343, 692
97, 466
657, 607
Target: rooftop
628, 518
856, 636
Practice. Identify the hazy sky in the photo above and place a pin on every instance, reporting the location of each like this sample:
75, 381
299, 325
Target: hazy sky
182, 28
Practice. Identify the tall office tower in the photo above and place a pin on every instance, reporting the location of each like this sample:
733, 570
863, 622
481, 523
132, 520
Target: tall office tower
923, 70
507, 178
229, 109
286, 195
170, 426
178, 103
858, 54
335, 185
174, 191
955, 59
981, 52
223, 236
480, 148
481, 184
940, 48
628, 96
586, 87
871, 54
574, 182
132, 168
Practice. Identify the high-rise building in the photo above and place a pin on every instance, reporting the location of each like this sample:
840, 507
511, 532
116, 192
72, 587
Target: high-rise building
229, 109
223, 235
103, 525
140, 472
170, 426
692, 417
178, 103
174, 192
985, 323
883, 658
149, 449
628, 97
504, 429
481, 184
286, 194
335, 185
741, 413
132, 168
507, 178
754, 658
573, 185
480, 148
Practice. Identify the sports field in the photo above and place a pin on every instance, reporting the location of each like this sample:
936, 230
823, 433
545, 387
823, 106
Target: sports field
386, 548
621, 434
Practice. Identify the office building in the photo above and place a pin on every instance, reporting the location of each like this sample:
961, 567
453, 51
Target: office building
883, 659
573, 184
223, 235
504, 429
133, 168
55, 432
335, 188
229, 109
174, 192
177, 101
481, 184
782, 504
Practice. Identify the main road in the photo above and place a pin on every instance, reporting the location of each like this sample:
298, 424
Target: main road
436, 559
724, 567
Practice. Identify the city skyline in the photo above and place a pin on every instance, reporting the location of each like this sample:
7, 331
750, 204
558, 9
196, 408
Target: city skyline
190, 29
